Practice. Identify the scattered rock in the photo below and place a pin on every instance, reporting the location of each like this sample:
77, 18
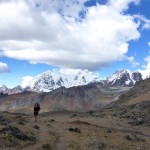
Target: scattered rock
128, 137
74, 115
137, 121
97, 146
20, 123
75, 130
99, 115
18, 117
10, 141
46, 147
144, 105
101, 146
134, 137
36, 127
91, 112
4, 121
16, 133
113, 114
108, 130
51, 120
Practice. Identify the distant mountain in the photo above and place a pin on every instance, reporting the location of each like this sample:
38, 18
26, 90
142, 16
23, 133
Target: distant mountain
124, 78
18, 89
134, 105
139, 93
4, 89
50, 80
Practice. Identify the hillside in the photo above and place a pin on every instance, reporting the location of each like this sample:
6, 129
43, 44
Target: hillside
70, 131
19, 100
139, 93
78, 98
134, 105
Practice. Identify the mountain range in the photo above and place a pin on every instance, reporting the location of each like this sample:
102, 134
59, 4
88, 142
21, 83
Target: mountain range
50, 80
82, 91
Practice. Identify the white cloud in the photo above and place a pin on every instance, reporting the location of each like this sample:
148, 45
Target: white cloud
54, 33
147, 59
26, 81
146, 68
145, 73
145, 23
122, 5
3, 67
133, 62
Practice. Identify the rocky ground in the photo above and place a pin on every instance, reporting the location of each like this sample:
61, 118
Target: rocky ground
109, 129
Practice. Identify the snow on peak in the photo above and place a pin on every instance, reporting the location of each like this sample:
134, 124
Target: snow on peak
4, 87
51, 80
124, 78
118, 74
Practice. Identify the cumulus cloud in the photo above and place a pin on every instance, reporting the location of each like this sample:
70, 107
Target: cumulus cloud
66, 33
133, 62
145, 23
26, 81
3, 67
147, 59
146, 68
122, 5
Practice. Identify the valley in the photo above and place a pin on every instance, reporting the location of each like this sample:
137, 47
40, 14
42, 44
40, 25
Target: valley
85, 117
93, 96
82, 91
74, 74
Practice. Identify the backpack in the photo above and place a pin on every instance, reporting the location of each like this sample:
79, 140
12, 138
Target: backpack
38, 107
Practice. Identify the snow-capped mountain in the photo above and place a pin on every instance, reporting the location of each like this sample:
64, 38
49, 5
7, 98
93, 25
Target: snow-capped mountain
18, 89
51, 80
4, 89
124, 78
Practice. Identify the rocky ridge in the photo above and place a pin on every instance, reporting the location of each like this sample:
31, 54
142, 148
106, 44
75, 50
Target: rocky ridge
124, 78
82, 98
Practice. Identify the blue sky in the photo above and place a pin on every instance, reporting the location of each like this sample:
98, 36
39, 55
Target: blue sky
37, 35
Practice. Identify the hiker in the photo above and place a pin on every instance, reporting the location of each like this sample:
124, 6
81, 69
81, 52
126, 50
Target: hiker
36, 110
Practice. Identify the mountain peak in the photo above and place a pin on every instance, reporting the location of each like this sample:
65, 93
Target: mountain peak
122, 71
51, 80
124, 78
3, 88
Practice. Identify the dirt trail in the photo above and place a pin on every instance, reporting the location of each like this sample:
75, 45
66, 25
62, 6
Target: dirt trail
42, 135
48, 133
60, 137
